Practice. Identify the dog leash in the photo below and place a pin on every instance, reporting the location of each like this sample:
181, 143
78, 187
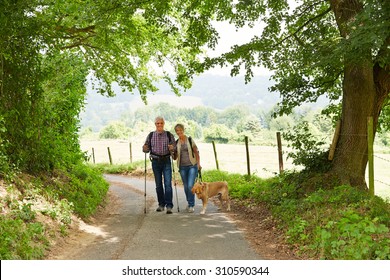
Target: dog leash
199, 176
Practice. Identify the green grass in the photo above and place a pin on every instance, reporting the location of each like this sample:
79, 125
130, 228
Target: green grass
118, 168
21, 240
329, 223
340, 222
38, 209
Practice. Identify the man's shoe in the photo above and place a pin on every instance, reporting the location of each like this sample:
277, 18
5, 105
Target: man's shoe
190, 210
169, 210
160, 209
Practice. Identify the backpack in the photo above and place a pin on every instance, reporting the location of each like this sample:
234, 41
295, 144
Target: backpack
168, 135
190, 140
169, 139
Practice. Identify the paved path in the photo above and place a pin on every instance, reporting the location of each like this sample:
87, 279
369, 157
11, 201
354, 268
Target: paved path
129, 234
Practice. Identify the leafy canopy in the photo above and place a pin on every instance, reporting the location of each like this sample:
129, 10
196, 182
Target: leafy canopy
304, 47
127, 41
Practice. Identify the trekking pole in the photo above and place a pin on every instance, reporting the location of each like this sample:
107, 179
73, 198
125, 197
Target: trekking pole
174, 180
145, 186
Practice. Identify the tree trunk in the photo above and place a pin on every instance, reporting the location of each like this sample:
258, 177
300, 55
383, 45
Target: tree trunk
365, 89
359, 102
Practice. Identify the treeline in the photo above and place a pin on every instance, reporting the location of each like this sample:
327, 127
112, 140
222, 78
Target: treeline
229, 125
218, 92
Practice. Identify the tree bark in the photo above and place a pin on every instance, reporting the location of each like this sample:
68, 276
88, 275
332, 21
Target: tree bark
359, 101
365, 89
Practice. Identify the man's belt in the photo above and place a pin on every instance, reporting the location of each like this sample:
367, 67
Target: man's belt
159, 157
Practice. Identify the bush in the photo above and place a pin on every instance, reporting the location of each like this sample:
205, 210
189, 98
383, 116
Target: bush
339, 222
354, 237
308, 150
115, 130
85, 189
20, 240
4, 165
218, 133
37, 208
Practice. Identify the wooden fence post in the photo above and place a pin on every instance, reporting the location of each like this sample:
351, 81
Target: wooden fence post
109, 155
280, 152
93, 155
131, 153
370, 140
248, 165
334, 141
215, 155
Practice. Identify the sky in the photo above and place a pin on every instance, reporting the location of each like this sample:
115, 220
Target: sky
229, 36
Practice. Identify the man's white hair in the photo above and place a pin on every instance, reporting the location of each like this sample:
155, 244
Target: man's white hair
159, 118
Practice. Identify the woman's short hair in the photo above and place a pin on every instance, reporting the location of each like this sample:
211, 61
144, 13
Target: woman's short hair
179, 125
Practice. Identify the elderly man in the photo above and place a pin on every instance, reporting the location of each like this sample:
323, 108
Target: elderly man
160, 144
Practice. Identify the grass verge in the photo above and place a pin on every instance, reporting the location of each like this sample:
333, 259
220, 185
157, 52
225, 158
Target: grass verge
326, 223
38, 209
335, 223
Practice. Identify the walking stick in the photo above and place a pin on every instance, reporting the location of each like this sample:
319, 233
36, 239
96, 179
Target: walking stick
174, 180
145, 186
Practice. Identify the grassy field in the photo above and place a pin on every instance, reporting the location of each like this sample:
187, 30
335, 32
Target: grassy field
231, 158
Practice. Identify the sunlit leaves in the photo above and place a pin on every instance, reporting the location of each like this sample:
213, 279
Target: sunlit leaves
305, 47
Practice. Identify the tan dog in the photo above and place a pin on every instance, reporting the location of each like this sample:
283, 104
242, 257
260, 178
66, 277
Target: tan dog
205, 190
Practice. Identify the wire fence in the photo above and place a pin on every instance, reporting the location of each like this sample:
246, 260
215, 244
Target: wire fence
382, 175
381, 165
264, 161
231, 157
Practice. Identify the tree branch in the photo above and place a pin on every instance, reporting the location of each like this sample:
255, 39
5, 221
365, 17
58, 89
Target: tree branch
303, 26
75, 30
309, 8
382, 72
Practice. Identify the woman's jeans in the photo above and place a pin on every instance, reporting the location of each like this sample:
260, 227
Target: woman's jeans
162, 168
188, 175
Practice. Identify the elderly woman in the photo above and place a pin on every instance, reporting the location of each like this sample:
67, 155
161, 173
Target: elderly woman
188, 162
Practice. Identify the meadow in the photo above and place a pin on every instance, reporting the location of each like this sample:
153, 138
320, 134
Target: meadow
264, 161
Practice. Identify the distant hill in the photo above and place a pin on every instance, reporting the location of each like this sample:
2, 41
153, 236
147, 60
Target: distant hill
221, 92
214, 91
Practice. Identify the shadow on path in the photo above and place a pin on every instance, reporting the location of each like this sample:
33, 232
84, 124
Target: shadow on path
127, 233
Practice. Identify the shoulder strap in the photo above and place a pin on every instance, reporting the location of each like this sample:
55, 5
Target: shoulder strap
169, 134
192, 150
151, 134
150, 137
190, 140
